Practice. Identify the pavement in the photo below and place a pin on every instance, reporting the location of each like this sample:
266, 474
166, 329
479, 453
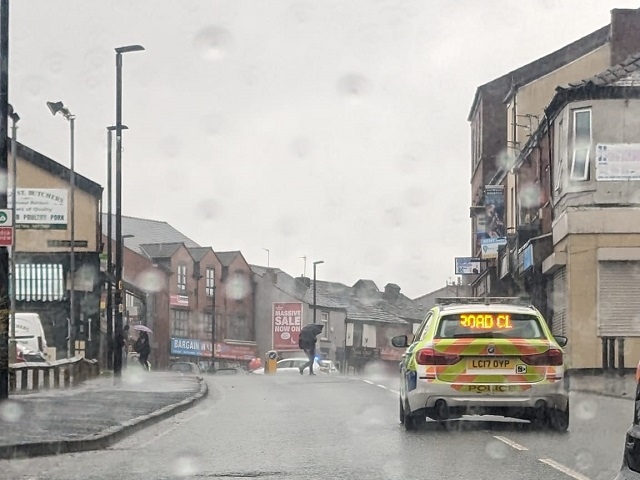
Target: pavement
93, 415
331, 426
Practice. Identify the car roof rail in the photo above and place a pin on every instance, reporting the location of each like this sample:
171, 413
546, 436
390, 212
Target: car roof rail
521, 301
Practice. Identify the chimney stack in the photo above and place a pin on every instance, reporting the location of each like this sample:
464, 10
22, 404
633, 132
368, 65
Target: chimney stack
624, 34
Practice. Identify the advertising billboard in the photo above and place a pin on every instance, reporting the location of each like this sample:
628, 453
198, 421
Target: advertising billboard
287, 323
468, 265
494, 212
490, 247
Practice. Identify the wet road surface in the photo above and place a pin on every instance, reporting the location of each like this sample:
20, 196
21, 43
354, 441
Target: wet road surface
325, 427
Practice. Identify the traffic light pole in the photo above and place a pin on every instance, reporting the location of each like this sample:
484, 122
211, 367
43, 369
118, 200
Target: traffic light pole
4, 164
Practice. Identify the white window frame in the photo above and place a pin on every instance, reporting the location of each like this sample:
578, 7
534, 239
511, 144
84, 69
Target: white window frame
561, 145
324, 318
182, 279
179, 323
587, 147
210, 281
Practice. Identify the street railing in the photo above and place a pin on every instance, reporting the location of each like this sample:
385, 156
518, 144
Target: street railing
59, 374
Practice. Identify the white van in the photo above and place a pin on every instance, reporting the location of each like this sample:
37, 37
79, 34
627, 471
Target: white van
29, 331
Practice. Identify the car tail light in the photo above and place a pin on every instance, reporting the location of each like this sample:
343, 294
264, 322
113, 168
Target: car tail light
19, 356
428, 356
551, 358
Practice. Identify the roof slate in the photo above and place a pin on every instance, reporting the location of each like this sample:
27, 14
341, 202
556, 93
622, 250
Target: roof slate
227, 257
160, 250
198, 252
147, 232
366, 304
625, 74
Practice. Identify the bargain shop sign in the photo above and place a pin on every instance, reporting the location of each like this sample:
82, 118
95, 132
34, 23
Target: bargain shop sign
287, 323
190, 346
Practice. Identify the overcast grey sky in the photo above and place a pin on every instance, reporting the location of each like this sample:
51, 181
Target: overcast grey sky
333, 129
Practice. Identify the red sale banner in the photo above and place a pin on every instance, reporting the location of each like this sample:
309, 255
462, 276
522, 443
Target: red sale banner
287, 323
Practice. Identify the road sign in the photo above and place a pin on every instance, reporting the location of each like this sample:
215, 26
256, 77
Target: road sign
6, 236
6, 218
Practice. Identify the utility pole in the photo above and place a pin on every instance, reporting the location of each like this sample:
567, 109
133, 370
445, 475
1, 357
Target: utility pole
304, 271
4, 164
213, 326
119, 300
14, 167
315, 264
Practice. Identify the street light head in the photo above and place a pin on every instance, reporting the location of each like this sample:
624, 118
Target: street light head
318, 262
55, 107
12, 113
129, 48
112, 128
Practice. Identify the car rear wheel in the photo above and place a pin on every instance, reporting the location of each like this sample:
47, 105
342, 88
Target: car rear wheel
559, 419
409, 420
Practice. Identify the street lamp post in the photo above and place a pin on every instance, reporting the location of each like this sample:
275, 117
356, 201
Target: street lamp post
315, 264
14, 165
109, 247
55, 108
268, 256
117, 359
213, 325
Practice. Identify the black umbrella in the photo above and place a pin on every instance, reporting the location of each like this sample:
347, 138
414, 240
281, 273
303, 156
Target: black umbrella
314, 329
311, 331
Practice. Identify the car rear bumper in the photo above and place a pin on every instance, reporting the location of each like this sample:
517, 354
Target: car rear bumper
427, 394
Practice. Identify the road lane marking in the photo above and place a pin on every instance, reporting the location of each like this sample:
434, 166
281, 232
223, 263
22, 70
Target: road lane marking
561, 468
368, 381
511, 443
381, 386
395, 391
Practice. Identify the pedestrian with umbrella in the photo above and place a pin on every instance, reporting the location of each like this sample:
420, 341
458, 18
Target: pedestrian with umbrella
307, 342
143, 346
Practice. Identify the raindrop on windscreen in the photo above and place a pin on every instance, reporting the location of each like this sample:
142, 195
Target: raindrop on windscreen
185, 466
91, 80
529, 196
394, 470
353, 86
4, 182
506, 159
208, 209
393, 217
408, 164
212, 124
33, 85
301, 147
213, 42
286, 226
496, 449
370, 417
586, 409
151, 280
301, 12
237, 287
416, 196
584, 460
170, 146
54, 63
10, 411
98, 58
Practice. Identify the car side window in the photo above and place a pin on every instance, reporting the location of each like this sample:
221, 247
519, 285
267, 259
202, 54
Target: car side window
285, 364
423, 328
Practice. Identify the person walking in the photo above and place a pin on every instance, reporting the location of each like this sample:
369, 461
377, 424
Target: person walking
143, 348
307, 342
125, 346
